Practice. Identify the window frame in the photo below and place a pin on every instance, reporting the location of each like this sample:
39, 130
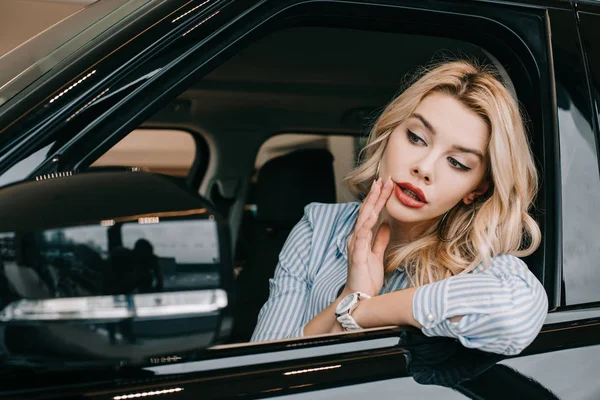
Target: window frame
384, 15
542, 122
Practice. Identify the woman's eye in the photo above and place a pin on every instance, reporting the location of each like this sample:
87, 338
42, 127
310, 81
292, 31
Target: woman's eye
416, 139
458, 165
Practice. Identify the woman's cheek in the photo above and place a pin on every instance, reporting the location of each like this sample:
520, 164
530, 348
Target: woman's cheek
391, 167
449, 191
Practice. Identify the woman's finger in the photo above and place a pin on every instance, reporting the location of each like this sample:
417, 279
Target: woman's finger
383, 197
350, 243
368, 204
382, 239
361, 247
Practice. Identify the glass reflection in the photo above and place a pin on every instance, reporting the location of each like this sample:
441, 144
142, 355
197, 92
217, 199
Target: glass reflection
109, 259
473, 373
580, 198
133, 270
178, 240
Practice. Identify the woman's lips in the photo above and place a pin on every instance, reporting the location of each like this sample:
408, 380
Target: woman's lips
406, 199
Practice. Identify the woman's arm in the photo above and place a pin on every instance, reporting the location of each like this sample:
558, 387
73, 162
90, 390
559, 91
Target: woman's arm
393, 308
499, 310
365, 262
325, 321
283, 314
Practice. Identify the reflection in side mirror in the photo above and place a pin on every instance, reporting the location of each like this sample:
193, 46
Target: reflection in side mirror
106, 308
117, 265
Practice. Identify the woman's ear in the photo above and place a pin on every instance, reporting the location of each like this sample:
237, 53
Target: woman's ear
479, 190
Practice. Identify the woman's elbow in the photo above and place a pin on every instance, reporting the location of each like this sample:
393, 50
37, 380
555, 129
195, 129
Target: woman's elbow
519, 328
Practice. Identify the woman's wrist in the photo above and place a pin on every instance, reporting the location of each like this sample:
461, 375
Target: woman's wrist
393, 308
361, 311
346, 291
343, 292
336, 327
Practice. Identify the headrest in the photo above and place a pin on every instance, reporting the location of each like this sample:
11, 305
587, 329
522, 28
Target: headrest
286, 184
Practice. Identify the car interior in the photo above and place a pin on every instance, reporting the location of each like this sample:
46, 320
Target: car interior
276, 127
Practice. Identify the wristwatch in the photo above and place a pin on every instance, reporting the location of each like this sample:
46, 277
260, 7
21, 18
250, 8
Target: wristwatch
344, 310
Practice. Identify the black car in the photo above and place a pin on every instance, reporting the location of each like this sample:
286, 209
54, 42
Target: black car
126, 276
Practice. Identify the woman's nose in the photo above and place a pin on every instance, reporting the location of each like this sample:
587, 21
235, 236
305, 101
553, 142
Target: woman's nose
423, 170
418, 173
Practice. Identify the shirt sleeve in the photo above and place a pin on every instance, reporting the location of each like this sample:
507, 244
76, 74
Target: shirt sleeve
503, 308
282, 316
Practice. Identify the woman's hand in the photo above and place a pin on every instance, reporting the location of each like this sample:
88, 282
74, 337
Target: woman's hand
365, 255
365, 259
336, 328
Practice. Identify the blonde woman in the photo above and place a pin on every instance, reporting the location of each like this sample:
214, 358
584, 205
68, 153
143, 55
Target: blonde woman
435, 243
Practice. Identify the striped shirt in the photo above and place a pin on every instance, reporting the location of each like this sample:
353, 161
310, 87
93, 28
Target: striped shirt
503, 306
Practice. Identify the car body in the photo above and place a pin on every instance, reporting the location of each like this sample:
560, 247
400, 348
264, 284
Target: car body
187, 65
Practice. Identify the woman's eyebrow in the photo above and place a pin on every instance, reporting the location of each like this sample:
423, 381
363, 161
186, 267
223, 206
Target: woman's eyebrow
467, 150
433, 132
424, 122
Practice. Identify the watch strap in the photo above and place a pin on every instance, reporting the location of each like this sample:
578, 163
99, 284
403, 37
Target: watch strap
348, 323
346, 320
362, 295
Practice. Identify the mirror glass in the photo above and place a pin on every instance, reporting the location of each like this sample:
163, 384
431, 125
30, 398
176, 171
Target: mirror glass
140, 256
118, 264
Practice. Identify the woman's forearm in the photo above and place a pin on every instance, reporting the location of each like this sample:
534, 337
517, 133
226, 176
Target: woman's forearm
325, 321
395, 308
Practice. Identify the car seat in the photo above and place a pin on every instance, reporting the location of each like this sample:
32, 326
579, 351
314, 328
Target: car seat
285, 185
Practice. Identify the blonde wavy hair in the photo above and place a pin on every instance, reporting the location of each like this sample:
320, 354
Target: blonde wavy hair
501, 223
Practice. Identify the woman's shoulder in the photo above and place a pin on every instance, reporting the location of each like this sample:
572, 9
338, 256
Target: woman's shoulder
331, 224
503, 264
319, 214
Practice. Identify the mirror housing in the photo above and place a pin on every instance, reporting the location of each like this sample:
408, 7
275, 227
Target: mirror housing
112, 266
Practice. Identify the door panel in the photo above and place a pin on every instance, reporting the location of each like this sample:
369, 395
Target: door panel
276, 368
569, 374
392, 389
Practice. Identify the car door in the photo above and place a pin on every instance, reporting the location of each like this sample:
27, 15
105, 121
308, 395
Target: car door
111, 93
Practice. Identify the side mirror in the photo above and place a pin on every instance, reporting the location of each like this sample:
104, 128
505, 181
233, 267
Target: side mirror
112, 266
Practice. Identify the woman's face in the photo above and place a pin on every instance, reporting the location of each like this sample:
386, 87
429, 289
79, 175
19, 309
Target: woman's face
436, 159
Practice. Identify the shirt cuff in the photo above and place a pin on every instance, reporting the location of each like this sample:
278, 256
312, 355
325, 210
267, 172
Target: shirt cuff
430, 309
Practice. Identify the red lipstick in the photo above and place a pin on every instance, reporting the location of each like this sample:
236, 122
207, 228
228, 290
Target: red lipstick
410, 195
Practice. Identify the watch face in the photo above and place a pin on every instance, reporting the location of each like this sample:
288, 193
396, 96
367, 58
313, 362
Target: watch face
346, 303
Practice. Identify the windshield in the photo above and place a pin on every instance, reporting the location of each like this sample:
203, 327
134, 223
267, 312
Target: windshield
28, 62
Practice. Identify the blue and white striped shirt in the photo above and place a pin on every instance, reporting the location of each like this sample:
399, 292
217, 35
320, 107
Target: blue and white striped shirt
503, 307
